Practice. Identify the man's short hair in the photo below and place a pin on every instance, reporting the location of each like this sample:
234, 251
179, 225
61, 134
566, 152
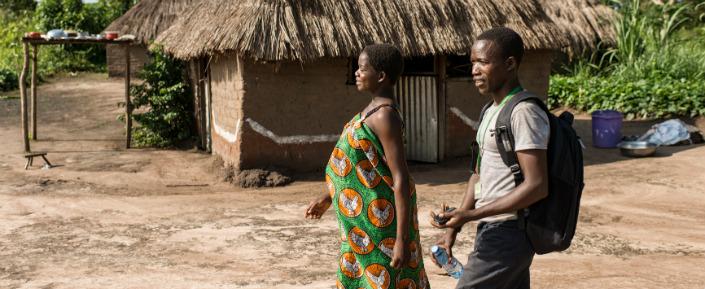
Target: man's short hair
508, 41
385, 57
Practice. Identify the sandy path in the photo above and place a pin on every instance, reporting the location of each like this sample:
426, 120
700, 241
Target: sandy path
106, 218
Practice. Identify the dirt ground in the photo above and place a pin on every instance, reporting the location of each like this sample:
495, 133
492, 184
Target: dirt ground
142, 218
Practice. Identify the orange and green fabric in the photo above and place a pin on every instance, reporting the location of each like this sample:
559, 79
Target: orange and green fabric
360, 185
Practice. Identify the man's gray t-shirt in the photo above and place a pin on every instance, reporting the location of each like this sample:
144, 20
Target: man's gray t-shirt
531, 130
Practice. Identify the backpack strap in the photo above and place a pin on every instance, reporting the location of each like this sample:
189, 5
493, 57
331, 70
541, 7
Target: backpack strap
505, 141
474, 145
484, 109
505, 137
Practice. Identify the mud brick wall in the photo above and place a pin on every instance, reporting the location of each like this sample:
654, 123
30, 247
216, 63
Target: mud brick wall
296, 102
227, 93
461, 93
116, 59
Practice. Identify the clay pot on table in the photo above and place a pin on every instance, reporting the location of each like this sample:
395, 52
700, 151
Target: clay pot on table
111, 35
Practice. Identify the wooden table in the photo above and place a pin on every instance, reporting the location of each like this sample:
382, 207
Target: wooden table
35, 43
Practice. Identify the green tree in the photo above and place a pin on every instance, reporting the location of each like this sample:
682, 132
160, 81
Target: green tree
125, 5
60, 14
168, 97
18, 6
49, 14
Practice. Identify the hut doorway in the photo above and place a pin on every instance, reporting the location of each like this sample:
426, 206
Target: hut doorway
421, 98
200, 77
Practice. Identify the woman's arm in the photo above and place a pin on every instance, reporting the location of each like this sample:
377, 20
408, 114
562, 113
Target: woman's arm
387, 125
318, 206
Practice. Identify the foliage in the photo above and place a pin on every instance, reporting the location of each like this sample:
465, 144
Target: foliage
18, 6
641, 28
52, 59
167, 95
73, 15
59, 14
640, 98
20, 16
655, 70
11, 29
8, 79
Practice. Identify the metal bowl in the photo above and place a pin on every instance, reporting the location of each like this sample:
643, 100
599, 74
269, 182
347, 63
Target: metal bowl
637, 148
56, 33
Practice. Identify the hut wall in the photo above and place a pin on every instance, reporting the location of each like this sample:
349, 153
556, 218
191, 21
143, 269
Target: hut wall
227, 93
461, 94
289, 115
116, 59
295, 112
535, 71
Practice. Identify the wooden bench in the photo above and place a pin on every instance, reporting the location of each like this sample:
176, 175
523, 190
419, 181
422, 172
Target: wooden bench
30, 158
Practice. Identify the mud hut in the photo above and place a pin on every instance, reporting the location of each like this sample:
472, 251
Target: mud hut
145, 21
275, 78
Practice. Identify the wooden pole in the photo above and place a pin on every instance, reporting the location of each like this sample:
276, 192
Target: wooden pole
33, 102
23, 97
200, 100
128, 103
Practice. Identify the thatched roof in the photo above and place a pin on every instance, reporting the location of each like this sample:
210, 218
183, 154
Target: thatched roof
309, 29
585, 22
148, 18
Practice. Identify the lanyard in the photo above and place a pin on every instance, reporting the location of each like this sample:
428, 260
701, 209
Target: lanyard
486, 121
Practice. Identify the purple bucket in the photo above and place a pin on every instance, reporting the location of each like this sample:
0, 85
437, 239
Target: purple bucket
606, 128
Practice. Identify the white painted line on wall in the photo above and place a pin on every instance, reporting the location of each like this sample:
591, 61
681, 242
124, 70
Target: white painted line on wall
228, 136
294, 139
465, 118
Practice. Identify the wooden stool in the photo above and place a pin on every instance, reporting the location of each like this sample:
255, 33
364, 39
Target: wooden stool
30, 158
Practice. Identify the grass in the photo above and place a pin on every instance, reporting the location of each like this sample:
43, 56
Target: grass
655, 70
4, 97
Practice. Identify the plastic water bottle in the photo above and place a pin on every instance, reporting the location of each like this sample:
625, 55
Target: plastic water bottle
454, 268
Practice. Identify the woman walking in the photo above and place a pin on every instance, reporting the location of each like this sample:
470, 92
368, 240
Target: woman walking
370, 188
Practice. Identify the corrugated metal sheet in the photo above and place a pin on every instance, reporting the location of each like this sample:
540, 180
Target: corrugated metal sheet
418, 101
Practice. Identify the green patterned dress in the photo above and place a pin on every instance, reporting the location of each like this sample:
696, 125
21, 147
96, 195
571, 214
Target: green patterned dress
360, 185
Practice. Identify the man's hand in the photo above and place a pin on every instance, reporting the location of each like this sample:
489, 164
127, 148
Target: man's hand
318, 206
446, 241
454, 219
400, 255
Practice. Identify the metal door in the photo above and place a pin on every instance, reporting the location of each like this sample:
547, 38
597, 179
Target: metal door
418, 100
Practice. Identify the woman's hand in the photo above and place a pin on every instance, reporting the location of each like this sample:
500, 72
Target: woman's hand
400, 255
318, 206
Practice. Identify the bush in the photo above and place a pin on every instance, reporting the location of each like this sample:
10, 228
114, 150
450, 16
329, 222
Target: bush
656, 69
8, 79
655, 98
18, 6
167, 95
12, 27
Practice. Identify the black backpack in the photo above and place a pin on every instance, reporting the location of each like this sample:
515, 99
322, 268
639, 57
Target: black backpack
549, 223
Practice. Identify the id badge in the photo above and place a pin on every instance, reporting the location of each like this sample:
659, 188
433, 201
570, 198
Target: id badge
478, 190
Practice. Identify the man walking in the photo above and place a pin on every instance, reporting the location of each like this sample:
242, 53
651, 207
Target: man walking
502, 254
